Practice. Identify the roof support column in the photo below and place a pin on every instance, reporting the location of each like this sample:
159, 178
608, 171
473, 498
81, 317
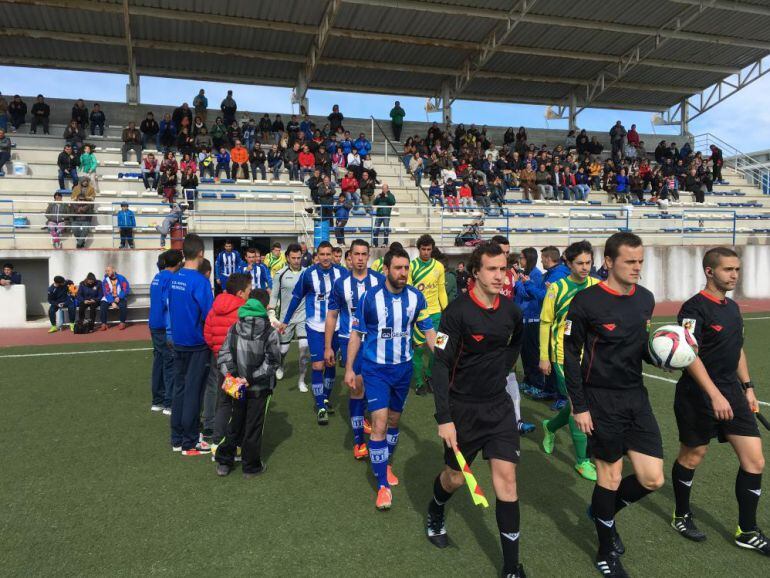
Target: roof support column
573, 111
446, 105
299, 94
132, 88
684, 118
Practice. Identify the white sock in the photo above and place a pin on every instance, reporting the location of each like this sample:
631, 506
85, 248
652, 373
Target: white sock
512, 387
304, 358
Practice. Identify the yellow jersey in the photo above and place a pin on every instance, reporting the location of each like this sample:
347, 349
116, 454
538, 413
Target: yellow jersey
553, 316
429, 278
274, 263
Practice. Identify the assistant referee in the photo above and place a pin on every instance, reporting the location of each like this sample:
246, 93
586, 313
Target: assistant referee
607, 327
476, 346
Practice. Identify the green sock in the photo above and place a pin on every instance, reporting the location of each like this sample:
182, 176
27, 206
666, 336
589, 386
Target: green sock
579, 441
560, 420
417, 363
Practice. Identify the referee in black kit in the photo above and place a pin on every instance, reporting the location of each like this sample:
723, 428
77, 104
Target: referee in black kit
605, 342
476, 347
715, 399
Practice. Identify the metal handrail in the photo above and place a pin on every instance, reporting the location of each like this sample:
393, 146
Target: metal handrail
755, 172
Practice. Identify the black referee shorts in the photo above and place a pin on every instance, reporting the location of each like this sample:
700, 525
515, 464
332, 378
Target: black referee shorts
623, 421
696, 420
488, 426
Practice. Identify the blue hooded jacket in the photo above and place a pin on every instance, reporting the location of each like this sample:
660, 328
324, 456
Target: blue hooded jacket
363, 146
159, 289
528, 295
190, 300
126, 219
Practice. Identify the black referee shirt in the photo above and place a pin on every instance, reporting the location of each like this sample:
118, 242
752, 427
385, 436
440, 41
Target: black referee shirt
717, 326
609, 331
476, 348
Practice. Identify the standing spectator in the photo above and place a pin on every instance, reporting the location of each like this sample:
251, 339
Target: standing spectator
67, 163
41, 113
5, 151
56, 219
463, 277
223, 163
168, 183
201, 104
275, 162
9, 277
126, 224
617, 135
341, 214
397, 115
264, 127
59, 299
74, 135
150, 131
228, 108
115, 292
717, 161
240, 157
632, 137
89, 297
335, 120
82, 211
167, 134
307, 256
132, 141
190, 184
80, 114
277, 128
257, 159
150, 171
326, 199
383, 203
17, 111
97, 120
88, 163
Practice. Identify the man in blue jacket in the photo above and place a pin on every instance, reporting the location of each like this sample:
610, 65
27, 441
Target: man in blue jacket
190, 300
363, 145
115, 291
59, 298
89, 298
227, 263
528, 295
162, 384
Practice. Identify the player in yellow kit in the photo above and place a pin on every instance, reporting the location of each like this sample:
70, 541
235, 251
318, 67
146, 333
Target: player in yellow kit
428, 276
275, 260
377, 263
553, 326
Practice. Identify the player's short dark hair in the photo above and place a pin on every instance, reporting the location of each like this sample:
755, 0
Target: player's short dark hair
253, 250
59, 279
618, 240
161, 262
293, 248
7, 265
500, 240
713, 255
551, 252
260, 295
323, 245
227, 242
425, 240
275, 246
192, 245
488, 249
337, 250
530, 254
392, 254
395, 245
577, 248
173, 257
205, 267
237, 282
359, 243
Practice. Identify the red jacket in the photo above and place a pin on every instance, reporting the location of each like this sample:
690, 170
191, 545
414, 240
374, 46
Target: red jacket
223, 315
306, 160
349, 185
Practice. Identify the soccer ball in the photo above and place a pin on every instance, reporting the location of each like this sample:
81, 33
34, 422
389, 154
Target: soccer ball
672, 347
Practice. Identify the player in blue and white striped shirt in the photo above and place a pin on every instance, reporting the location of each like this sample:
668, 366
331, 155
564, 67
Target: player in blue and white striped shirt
257, 270
226, 263
346, 296
315, 286
385, 319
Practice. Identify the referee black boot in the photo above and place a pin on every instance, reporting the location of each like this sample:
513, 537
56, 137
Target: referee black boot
518, 574
685, 525
617, 543
436, 530
609, 565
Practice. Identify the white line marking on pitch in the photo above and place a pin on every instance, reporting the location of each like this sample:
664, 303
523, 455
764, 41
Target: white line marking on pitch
52, 353
650, 375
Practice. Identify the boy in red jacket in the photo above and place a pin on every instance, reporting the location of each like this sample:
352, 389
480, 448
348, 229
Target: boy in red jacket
223, 315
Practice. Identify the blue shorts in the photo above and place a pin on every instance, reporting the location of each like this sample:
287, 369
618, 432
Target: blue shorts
344, 354
386, 385
316, 342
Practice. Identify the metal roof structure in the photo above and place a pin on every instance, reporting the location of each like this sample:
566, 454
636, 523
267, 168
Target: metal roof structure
629, 54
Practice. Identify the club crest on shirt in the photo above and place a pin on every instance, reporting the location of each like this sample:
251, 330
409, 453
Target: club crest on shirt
689, 324
441, 340
568, 327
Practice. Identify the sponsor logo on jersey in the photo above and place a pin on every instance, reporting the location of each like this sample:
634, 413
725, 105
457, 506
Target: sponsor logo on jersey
478, 338
717, 328
388, 333
609, 326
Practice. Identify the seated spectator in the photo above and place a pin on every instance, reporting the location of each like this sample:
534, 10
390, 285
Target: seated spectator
416, 166
497, 192
167, 134
450, 195
466, 197
84, 189
339, 162
326, 199
80, 114
275, 162
5, 151
172, 218
264, 127
363, 145
169, 162
240, 157
621, 191
150, 131
694, 184
74, 135
132, 141
185, 142
150, 170
17, 112
9, 277
41, 113
97, 120
182, 117
257, 160
218, 134
355, 163
434, 194
527, 177
206, 163
582, 183
313, 183
88, 163
544, 182
188, 163
481, 195
277, 129
366, 186
349, 186
307, 163
82, 212
223, 163
126, 224
233, 133
58, 300
291, 161
203, 140
89, 298
115, 292
341, 213
190, 187
249, 133
67, 163
168, 183
56, 219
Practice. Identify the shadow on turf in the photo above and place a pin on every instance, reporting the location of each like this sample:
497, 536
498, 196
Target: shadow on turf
277, 430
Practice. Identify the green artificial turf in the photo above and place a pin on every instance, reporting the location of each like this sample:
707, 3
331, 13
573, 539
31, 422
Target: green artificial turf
91, 488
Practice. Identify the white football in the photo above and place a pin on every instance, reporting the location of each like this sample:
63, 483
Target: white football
672, 347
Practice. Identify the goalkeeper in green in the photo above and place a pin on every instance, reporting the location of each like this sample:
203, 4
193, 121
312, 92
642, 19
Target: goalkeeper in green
553, 326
